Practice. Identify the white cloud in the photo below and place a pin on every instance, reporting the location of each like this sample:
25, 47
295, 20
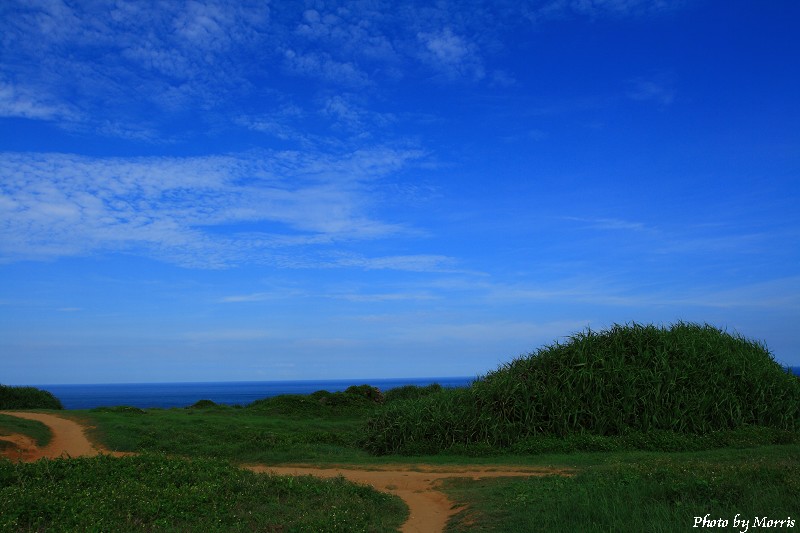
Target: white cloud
16, 101
452, 54
414, 263
122, 56
601, 8
659, 89
204, 211
609, 223
323, 65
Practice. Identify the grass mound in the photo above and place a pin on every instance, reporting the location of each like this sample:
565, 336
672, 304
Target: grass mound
27, 398
686, 379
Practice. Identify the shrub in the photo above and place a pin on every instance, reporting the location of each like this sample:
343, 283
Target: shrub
411, 392
366, 391
27, 398
203, 404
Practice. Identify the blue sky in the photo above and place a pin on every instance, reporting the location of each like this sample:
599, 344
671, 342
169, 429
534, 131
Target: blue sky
210, 191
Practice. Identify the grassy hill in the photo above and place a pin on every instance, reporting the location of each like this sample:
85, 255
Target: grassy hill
687, 379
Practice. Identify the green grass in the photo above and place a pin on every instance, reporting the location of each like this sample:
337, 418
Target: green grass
655, 492
10, 425
282, 429
687, 379
156, 493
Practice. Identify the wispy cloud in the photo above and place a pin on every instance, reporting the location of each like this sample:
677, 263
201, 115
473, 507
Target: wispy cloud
19, 101
601, 8
205, 211
609, 223
451, 54
323, 65
659, 88
123, 56
73, 62
414, 263
384, 297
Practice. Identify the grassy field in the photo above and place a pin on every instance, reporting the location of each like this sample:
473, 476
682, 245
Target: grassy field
291, 428
714, 448
155, 493
644, 491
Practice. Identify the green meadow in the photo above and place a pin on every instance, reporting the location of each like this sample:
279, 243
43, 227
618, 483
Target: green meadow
662, 427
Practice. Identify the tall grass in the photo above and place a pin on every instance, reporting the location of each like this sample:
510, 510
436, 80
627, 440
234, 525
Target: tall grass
686, 379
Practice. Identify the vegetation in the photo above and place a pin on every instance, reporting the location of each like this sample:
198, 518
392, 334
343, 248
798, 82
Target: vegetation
10, 425
641, 492
628, 381
203, 404
322, 426
27, 398
156, 493
411, 392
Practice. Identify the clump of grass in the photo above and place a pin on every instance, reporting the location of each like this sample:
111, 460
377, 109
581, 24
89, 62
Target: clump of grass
27, 398
156, 493
411, 392
203, 404
355, 400
686, 379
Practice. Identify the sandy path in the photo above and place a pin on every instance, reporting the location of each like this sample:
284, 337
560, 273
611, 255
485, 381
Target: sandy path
418, 485
68, 438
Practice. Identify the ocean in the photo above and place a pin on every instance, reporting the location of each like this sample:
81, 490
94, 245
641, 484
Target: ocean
167, 395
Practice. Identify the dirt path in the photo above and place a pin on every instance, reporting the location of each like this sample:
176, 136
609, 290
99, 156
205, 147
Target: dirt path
418, 485
69, 438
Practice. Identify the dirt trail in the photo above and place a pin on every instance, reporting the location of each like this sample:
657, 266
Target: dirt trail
418, 485
69, 438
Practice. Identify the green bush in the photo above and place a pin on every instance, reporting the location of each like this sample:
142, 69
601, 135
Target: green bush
366, 391
410, 392
203, 404
320, 403
686, 379
27, 398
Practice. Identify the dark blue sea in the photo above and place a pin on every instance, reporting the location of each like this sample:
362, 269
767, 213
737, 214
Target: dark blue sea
166, 395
